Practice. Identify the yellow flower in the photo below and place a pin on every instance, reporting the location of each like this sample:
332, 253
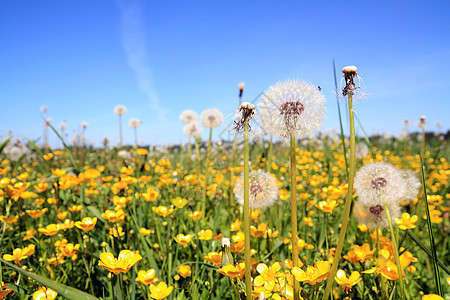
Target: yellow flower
75, 208
142, 151
147, 277
214, 258
67, 224
432, 297
151, 195
61, 215
406, 222
19, 254
145, 231
10, 220
205, 235
160, 291
4, 182
86, 224
308, 221
48, 156
29, 234
195, 215
268, 276
236, 225
183, 239
70, 250
347, 283
179, 202
36, 213
163, 211
327, 206
359, 253
41, 187
58, 172
91, 173
4, 291
123, 263
50, 230
233, 271
258, 232
114, 216
314, 274
44, 293
184, 270
116, 232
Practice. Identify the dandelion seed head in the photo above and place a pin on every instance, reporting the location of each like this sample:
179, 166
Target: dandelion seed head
361, 150
263, 189
292, 107
374, 215
193, 129
120, 110
412, 184
84, 125
377, 180
211, 118
188, 116
134, 122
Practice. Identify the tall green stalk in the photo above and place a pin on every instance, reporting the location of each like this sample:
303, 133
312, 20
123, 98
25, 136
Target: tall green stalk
248, 274
208, 156
430, 231
294, 232
348, 202
397, 257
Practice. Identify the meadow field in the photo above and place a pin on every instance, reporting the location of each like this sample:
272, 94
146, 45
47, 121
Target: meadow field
179, 222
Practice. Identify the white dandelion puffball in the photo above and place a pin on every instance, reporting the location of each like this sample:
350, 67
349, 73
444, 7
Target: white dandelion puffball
211, 118
62, 126
292, 107
263, 189
124, 154
44, 109
361, 150
120, 110
193, 129
188, 116
84, 125
134, 122
374, 216
376, 181
412, 184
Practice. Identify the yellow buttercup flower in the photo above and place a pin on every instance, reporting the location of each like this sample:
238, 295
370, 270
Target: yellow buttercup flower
29, 234
183, 239
92, 173
407, 221
58, 172
44, 293
184, 271
123, 263
163, 211
4, 291
75, 208
258, 232
233, 271
86, 224
114, 216
179, 202
160, 291
19, 254
347, 283
10, 220
41, 187
360, 253
236, 225
70, 250
195, 215
147, 277
313, 274
432, 297
50, 230
36, 213
205, 235
214, 258
327, 206
145, 231
268, 275
142, 151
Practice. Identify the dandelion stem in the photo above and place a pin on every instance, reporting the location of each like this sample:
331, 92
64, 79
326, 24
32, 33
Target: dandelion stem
294, 213
120, 131
397, 258
248, 274
348, 202
208, 156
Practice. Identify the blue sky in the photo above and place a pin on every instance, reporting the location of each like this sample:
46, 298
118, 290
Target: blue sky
81, 58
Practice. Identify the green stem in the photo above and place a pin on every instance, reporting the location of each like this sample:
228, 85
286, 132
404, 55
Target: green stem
294, 232
397, 258
348, 203
430, 229
208, 156
248, 274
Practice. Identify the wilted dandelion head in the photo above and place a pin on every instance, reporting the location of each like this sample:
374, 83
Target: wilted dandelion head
134, 122
349, 73
193, 129
245, 112
292, 107
374, 215
376, 181
263, 189
211, 118
188, 116
120, 110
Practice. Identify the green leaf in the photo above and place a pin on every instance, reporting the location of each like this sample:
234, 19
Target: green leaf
72, 159
63, 290
3, 145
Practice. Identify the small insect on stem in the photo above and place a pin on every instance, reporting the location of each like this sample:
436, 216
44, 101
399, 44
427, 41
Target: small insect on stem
245, 111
